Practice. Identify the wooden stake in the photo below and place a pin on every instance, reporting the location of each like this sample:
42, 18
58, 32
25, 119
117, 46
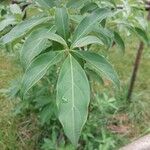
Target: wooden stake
135, 70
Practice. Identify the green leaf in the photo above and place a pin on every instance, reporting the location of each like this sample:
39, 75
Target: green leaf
104, 34
22, 28
86, 41
55, 37
86, 25
34, 45
89, 7
119, 41
100, 64
75, 3
111, 2
73, 97
38, 69
42, 101
6, 22
46, 3
46, 114
62, 22
94, 75
76, 18
142, 34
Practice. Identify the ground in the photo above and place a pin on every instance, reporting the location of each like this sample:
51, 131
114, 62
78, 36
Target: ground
8, 71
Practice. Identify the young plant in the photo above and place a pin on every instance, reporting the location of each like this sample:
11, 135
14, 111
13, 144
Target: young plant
67, 42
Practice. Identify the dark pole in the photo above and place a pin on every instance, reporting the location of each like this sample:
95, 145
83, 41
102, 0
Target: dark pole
135, 70
137, 60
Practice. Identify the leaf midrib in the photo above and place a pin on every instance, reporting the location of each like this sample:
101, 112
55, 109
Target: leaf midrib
72, 90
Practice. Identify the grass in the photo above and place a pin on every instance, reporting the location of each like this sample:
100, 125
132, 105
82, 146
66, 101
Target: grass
139, 112
16, 133
7, 129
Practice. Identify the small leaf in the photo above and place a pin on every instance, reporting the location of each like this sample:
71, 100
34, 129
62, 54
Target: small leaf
42, 101
86, 41
38, 69
62, 22
142, 34
104, 34
94, 75
34, 45
73, 112
86, 25
75, 3
46, 113
111, 2
119, 41
76, 18
6, 22
46, 3
22, 28
55, 37
100, 64
89, 7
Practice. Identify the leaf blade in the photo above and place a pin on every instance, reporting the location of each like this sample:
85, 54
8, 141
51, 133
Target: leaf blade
73, 112
104, 34
75, 4
22, 29
88, 22
34, 45
56, 38
46, 3
6, 22
100, 64
62, 22
142, 34
38, 69
89, 7
86, 41
119, 41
